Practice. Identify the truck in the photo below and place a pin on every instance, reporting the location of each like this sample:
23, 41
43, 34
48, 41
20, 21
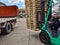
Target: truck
7, 18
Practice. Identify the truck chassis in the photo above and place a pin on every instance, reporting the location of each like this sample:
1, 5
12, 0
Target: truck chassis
7, 25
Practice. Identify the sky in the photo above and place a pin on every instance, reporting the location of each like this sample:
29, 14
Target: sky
19, 3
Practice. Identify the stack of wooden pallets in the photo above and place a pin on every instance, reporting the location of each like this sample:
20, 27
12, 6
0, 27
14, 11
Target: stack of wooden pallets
32, 9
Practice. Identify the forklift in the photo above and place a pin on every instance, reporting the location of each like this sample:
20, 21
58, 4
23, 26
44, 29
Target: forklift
50, 30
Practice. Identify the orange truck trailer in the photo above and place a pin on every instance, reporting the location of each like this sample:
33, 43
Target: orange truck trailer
7, 18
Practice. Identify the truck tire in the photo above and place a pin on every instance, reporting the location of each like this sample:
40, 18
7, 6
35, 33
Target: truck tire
44, 37
7, 29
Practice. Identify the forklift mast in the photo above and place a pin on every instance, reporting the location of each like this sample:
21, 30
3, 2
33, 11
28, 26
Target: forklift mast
48, 14
43, 12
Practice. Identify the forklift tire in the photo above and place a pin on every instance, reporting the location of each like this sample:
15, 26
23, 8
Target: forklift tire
44, 37
7, 29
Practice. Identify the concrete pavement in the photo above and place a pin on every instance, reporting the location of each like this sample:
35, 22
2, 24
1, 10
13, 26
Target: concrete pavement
21, 35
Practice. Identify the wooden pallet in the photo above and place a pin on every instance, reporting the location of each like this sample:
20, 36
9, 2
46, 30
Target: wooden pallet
32, 7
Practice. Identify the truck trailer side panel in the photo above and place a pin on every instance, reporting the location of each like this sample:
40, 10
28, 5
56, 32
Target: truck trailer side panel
8, 11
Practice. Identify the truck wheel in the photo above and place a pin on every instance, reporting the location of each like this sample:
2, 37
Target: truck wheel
44, 37
7, 29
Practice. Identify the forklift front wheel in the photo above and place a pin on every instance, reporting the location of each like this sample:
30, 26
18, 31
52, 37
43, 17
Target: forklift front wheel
44, 37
